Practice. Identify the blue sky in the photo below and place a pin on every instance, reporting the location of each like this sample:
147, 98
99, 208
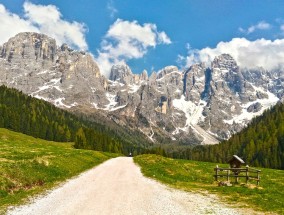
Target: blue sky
188, 27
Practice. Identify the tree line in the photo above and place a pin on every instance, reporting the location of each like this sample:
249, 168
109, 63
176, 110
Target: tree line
41, 119
260, 144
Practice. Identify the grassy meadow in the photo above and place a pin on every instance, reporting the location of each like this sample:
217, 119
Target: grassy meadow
29, 166
198, 177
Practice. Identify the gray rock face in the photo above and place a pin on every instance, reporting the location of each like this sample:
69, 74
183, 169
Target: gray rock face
167, 70
195, 86
121, 73
144, 76
254, 107
33, 63
32, 48
199, 105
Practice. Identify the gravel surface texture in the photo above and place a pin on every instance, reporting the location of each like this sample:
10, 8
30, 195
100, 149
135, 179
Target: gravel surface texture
118, 187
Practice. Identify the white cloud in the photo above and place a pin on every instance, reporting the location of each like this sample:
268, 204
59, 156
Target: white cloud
41, 14
181, 61
45, 19
250, 54
128, 40
48, 19
11, 24
111, 8
163, 38
259, 26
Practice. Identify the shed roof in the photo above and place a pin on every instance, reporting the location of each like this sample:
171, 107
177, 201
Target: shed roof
237, 158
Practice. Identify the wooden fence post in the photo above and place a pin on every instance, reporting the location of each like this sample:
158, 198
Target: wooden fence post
228, 175
216, 173
247, 173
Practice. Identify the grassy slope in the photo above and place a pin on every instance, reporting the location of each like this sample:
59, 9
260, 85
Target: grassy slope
198, 176
29, 166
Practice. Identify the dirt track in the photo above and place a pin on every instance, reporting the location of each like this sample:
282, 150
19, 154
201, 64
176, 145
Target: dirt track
118, 187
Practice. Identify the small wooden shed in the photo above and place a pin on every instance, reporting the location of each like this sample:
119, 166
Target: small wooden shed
236, 162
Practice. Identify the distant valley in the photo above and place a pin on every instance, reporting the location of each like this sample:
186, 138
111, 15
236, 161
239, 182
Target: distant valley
176, 114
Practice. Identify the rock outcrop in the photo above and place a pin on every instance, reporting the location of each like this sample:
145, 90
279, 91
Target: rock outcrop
33, 63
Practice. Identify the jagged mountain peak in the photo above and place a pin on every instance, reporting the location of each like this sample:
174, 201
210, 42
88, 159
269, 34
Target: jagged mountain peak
224, 61
29, 46
166, 70
121, 73
144, 75
196, 69
122, 68
33, 36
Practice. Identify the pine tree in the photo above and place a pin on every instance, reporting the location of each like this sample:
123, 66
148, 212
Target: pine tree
80, 139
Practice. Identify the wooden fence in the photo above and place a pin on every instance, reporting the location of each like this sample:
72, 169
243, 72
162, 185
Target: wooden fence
247, 173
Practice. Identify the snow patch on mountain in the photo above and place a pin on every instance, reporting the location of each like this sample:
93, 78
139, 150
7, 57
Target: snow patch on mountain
134, 88
117, 108
59, 102
43, 72
246, 116
193, 112
112, 103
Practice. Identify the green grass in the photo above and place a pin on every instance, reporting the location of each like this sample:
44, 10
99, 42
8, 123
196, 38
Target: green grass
198, 176
29, 166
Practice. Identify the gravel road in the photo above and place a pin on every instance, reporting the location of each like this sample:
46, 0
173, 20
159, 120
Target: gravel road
118, 187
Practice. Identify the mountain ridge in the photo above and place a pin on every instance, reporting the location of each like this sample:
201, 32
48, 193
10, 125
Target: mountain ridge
201, 105
261, 143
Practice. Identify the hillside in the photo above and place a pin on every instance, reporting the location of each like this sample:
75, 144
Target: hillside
41, 119
261, 143
29, 165
198, 176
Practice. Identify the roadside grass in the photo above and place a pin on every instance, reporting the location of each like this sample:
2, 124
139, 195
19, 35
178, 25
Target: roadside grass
29, 166
198, 177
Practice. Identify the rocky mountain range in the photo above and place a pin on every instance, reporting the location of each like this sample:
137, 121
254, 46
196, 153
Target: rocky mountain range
200, 105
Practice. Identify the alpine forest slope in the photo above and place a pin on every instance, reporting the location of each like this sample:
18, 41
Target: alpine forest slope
38, 118
31, 165
261, 143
